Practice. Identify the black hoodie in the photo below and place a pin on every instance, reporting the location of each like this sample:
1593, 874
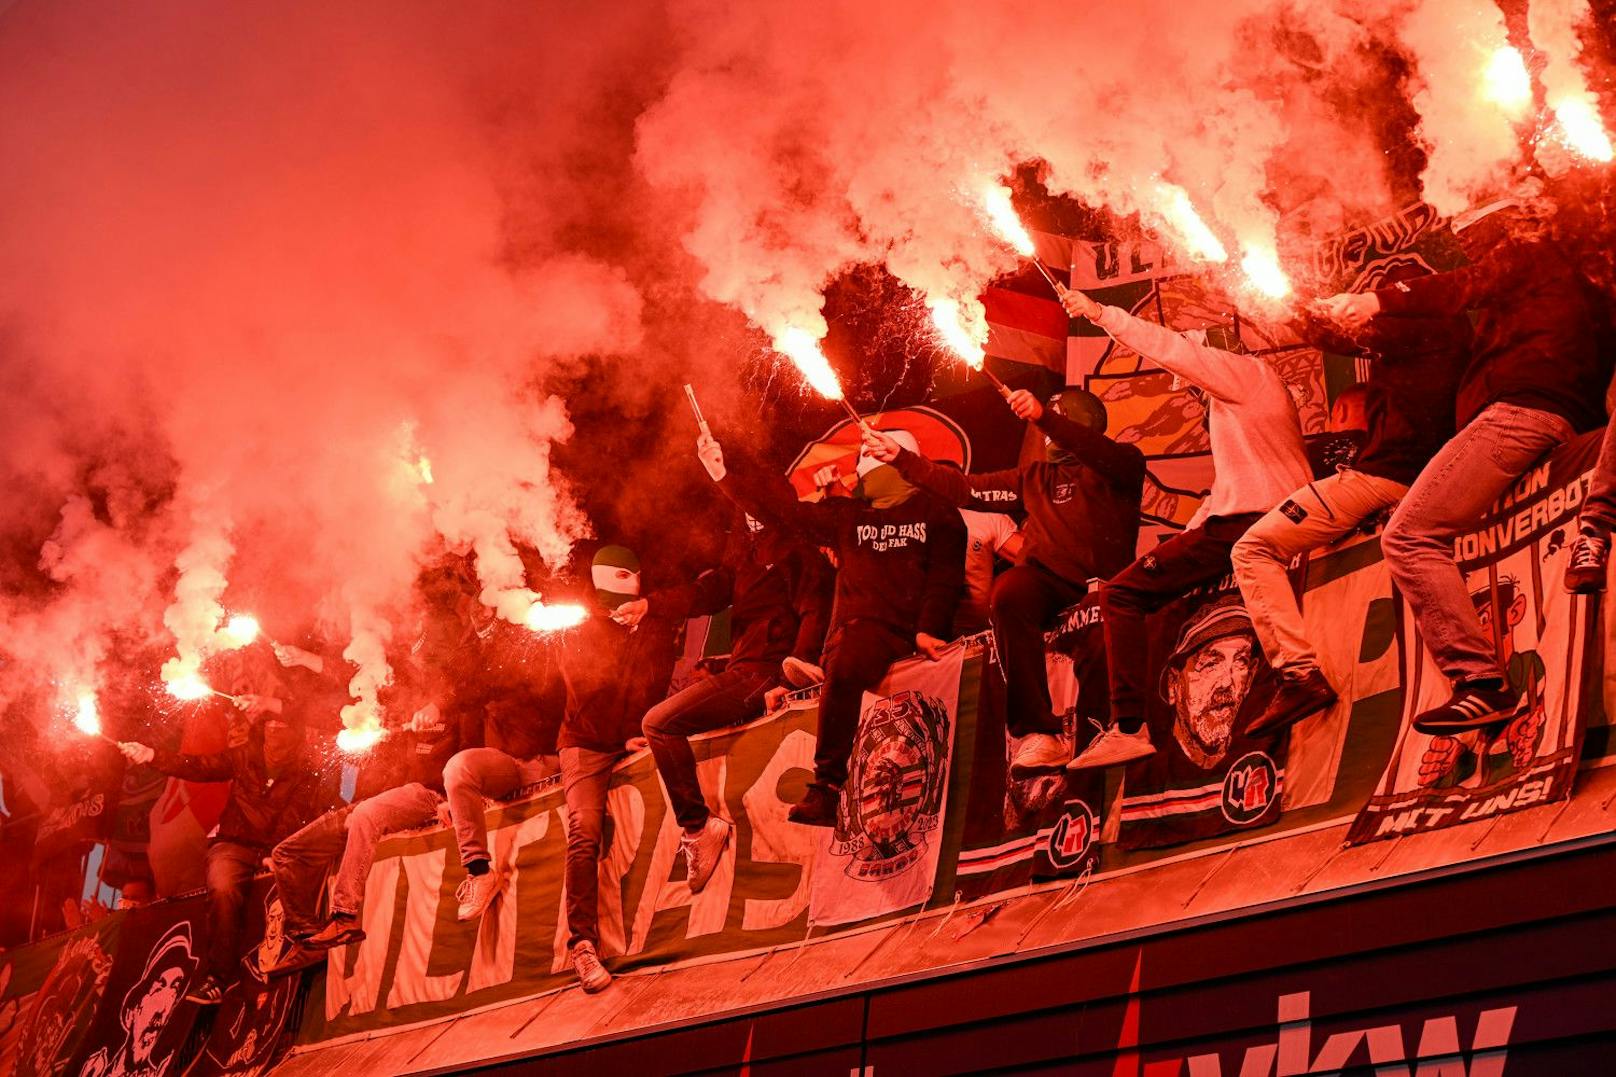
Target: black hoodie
903, 566
1082, 517
778, 593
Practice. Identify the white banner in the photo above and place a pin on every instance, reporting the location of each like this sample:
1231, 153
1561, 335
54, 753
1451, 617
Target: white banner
882, 855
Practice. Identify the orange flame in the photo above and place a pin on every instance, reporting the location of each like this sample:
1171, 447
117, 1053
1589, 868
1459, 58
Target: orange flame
87, 720
1580, 127
949, 320
189, 686
241, 630
1202, 243
360, 739
1262, 270
1505, 81
1002, 216
542, 618
803, 350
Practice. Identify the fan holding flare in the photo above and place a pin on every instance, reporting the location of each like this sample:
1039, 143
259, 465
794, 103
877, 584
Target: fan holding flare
1258, 458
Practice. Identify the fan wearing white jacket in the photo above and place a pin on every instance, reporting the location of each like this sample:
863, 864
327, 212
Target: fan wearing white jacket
1258, 460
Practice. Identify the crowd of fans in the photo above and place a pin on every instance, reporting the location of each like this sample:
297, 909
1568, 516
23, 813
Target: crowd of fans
898, 559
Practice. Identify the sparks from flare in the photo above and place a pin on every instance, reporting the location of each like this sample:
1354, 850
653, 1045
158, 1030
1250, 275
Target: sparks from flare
544, 618
1505, 81
189, 687
357, 741
1202, 243
803, 350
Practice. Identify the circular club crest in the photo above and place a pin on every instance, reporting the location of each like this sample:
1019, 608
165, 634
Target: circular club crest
1072, 837
1250, 787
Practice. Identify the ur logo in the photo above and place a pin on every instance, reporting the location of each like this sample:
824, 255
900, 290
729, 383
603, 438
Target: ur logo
1249, 789
1073, 836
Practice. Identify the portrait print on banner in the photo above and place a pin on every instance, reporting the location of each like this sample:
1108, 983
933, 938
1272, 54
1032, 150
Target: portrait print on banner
1207, 775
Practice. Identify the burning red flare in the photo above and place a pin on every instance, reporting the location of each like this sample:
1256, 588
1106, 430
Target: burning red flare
87, 719
542, 618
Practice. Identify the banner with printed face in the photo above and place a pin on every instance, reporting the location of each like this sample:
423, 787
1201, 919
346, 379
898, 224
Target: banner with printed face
1208, 776
1513, 563
881, 857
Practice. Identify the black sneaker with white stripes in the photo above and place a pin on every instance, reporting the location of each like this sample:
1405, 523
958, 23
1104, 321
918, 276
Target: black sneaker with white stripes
1470, 708
1585, 566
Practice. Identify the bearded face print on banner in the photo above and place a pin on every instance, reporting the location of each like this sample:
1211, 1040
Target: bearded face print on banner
882, 854
1513, 562
143, 1044
1207, 776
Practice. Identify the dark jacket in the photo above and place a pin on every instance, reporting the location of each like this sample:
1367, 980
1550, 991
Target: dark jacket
1082, 517
1413, 384
1536, 331
903, 566
613, 675
778, 593
261, 810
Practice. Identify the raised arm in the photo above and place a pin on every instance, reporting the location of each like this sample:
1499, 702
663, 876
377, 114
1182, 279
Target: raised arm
992, 491
1124, 465
768, 497
1223, 374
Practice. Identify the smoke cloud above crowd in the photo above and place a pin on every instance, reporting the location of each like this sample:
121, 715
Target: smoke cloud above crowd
284, 292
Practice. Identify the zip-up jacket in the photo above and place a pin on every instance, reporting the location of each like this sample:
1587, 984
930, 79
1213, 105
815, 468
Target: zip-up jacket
1536, 342
262, 809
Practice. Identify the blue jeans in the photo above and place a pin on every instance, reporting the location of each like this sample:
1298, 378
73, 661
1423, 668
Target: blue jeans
1600, 508
345, 837
727, 699
1452, 494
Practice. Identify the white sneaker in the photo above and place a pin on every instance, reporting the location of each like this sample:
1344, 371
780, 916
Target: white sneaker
592, 975
476, 893
1111, 747
1041, 751
704, 850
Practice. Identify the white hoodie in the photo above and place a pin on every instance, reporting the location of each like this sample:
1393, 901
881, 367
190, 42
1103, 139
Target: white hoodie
1257, 454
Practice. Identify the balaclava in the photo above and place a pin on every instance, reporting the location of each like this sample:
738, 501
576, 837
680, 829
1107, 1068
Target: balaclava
881, 484
616, 575
1081, 407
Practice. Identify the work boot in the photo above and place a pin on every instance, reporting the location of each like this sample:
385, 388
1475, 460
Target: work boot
476, 893
338, 931
592, 975
1585, 567
703, 850
1040, 752
1301, 694
817, 806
